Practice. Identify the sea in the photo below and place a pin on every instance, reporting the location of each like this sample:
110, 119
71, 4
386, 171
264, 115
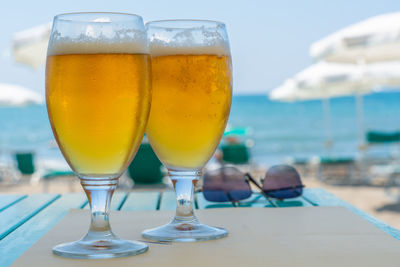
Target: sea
277, 131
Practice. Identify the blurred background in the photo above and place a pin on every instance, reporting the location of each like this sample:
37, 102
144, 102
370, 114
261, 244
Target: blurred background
315, 86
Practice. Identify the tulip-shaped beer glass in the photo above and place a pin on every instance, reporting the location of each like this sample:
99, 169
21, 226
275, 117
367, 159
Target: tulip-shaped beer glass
191, 79
98, 99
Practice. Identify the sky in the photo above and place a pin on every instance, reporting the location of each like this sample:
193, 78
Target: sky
269, 40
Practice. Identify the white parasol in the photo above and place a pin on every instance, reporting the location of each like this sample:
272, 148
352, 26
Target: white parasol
322, 80
15, 95
327, 80
30, 46
372, 40
376, 39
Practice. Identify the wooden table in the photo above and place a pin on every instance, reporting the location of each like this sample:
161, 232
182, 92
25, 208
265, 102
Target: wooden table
24, 219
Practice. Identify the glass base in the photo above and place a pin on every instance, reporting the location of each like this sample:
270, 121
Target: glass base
100, 249
179, 231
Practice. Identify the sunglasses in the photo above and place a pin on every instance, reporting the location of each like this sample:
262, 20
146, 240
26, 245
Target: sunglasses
230, 184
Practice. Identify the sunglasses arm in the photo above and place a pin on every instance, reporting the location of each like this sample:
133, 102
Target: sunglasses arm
251, 179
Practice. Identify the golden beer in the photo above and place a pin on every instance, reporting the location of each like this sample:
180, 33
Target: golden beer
98, 105
190, 107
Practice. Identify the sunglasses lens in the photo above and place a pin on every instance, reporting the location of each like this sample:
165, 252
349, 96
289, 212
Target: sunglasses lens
282, 181
285, 193
225, 184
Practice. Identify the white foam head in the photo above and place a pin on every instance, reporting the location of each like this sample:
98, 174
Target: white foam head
97, 32
165, 50
182, 37
97, 45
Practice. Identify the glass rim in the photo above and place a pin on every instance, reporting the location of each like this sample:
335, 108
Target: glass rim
163, 24
64, 16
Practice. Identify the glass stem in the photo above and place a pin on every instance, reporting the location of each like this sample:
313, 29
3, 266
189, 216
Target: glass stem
184, 182
99, 192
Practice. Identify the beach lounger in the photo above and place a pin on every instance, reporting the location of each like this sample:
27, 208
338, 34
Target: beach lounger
376, 137
377, 164
26, 167
235, 145
336, 170
146, 168
235, 153
25, 163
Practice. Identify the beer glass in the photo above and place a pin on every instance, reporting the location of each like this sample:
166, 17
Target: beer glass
191, 80
98, 99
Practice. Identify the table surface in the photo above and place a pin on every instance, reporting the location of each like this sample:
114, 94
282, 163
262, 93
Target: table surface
24, 219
